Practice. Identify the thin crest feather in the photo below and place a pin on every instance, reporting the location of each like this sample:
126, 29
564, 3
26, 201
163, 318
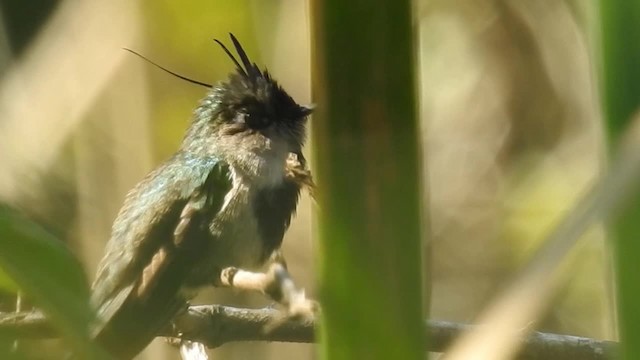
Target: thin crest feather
169, 71
233, 58
252, 70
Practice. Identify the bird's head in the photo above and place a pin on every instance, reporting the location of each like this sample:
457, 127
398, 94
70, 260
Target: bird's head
251, 109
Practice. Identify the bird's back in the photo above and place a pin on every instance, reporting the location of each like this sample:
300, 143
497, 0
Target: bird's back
138, 287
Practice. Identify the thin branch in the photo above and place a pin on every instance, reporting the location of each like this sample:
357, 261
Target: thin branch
27, 325
215, 325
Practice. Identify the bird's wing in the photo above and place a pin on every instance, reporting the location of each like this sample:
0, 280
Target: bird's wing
153, 245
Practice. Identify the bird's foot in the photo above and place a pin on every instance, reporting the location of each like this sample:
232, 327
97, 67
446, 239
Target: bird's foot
191, 350
300, 306
276, 283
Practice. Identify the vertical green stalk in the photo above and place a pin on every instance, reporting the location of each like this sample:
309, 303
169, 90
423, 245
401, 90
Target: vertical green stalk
620, 22
367, 164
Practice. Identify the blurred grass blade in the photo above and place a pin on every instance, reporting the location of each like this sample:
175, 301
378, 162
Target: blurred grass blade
7, 284
504, 321
365, 137
620, 26
49, 275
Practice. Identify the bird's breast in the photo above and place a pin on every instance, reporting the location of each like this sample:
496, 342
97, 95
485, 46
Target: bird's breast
237, 235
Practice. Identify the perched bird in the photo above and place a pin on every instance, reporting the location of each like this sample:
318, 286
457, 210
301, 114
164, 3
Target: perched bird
210, 215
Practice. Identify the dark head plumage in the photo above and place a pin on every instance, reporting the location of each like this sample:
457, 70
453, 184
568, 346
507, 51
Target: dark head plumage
253, 96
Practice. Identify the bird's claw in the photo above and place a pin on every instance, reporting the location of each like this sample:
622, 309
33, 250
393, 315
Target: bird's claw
299, 308
302, 307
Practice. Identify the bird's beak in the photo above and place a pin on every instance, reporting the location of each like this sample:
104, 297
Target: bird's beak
307, 109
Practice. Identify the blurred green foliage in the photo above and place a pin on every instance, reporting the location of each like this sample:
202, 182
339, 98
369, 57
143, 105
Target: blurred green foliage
48, 275
366, 158
7, 284
620, 24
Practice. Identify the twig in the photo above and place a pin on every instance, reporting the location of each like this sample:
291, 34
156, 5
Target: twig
215, 325
26, 325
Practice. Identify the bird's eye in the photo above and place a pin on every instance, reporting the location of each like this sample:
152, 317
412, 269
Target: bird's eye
255, 120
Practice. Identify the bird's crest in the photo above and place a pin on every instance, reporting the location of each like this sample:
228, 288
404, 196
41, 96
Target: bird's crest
248, 69
255, 92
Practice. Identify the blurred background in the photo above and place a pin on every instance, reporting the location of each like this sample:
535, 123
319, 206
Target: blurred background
511, 132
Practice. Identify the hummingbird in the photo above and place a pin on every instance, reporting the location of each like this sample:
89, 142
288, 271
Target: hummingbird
213, 214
